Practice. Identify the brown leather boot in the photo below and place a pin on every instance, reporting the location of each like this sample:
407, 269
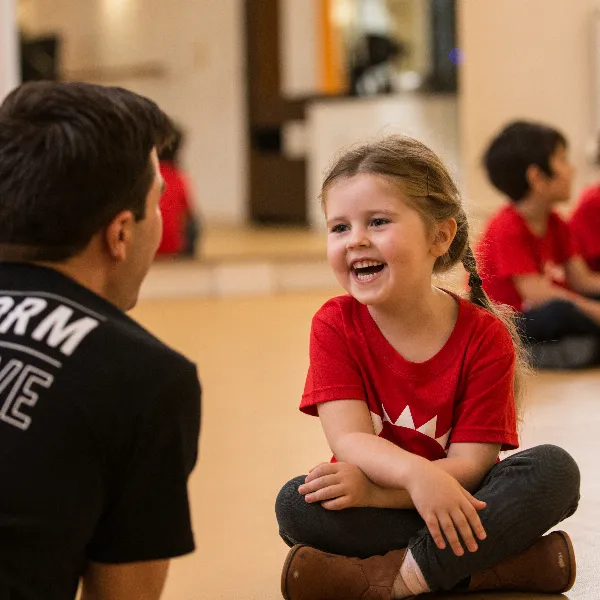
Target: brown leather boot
309, 574
548, 565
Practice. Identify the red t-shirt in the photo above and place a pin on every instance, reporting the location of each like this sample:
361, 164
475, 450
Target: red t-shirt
509, 248
585, 226
462, 394
174, 206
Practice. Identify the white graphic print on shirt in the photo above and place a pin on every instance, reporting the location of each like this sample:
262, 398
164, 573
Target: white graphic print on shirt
406, 420
41, 331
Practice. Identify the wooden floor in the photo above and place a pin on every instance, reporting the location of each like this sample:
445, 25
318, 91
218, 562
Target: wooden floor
252, 360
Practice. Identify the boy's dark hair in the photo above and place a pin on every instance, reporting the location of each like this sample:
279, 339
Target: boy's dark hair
170, 152
519, 145
72, 156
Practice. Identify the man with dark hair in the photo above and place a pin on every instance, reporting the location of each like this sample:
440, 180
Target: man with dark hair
528, 258
99, 420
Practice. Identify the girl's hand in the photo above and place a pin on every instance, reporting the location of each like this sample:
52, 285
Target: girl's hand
337, 486
446, 507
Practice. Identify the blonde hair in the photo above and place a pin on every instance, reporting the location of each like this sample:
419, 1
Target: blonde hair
431, 191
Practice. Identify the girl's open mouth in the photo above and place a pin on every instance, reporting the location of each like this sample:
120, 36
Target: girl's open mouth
366, 270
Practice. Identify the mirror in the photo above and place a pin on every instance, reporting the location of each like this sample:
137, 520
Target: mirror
368, 47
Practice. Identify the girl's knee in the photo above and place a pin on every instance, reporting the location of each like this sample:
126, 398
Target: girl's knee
289, 501
560, 458
558, 468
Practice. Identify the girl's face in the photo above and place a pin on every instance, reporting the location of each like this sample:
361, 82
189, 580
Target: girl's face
377, 245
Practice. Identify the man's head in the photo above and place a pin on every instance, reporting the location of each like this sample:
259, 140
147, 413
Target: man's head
78, 165
528, 158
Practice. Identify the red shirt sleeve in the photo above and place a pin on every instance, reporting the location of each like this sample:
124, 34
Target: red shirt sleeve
333, 373
485, 411
585, 224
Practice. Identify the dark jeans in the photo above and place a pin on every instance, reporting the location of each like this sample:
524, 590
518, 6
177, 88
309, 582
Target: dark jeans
556, 320
526, 494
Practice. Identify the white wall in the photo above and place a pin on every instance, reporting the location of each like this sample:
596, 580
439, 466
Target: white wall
8, 47
334, 125
299, 68
527, 59
199, 45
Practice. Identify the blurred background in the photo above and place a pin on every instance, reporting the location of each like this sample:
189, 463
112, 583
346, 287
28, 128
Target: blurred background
266, 92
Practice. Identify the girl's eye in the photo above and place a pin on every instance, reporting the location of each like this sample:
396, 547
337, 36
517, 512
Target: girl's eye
379, 222
339, 228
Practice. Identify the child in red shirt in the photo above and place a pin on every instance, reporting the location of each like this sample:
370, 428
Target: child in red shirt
585, 226
415, 388
529, 260
181, 227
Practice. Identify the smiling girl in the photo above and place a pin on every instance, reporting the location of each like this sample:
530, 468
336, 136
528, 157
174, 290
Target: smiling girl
415, 388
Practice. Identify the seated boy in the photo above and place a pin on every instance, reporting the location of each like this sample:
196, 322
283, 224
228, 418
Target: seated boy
528, 258
181, 224
585, 226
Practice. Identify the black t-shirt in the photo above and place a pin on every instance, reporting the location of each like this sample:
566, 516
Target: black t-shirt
99, 425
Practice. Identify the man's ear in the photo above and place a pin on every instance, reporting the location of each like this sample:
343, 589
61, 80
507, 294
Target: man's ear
444, 234
118, 235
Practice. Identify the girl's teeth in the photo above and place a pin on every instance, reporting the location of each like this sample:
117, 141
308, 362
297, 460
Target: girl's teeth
366, 263
365, 276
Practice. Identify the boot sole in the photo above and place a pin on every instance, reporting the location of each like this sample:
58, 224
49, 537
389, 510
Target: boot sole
286, 568
572, 561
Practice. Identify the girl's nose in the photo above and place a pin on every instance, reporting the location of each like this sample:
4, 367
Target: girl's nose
358, 239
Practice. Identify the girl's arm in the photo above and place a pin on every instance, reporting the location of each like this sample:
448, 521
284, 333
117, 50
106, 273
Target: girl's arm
446, 507
349, 431
469, 463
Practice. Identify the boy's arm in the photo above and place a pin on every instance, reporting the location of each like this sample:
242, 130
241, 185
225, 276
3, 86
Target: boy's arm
537, 290
581, 278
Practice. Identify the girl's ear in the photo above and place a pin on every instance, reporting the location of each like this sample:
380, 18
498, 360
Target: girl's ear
443, 236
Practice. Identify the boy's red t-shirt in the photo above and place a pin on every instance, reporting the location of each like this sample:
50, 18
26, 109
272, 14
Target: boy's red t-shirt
585, 226
464, 393
174, 207
509, 248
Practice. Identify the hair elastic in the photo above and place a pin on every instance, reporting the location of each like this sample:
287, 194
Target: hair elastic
475, 280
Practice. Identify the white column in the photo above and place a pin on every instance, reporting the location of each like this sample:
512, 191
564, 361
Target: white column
9, 56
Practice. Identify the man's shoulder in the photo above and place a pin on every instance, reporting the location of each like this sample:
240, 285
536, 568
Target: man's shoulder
130, 338
48, 313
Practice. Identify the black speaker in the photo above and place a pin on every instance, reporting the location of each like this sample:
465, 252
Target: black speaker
40, 58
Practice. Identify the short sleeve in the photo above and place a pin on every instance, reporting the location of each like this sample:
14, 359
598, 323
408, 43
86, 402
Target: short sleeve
585, 224
485, 412
333, 373
147, 514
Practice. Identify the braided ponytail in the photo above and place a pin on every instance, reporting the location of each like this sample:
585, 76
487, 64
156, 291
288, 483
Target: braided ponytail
478, 296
